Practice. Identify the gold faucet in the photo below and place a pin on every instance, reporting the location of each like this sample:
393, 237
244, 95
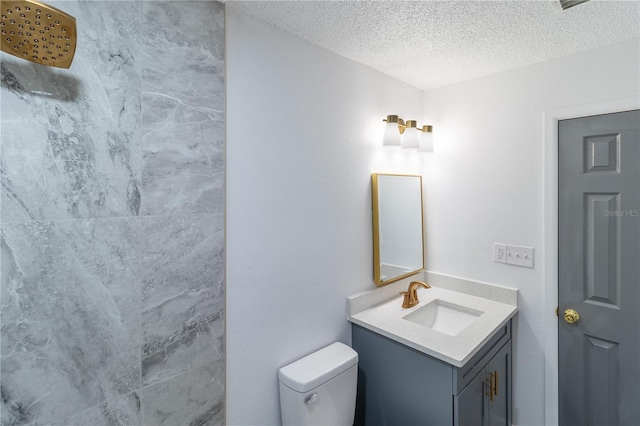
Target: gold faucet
411, 295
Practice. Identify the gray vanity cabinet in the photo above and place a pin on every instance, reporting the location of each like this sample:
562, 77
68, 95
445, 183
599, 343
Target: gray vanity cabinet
487, 396
398, 385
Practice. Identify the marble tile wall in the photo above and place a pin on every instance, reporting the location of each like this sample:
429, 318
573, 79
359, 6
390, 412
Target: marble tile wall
112, 222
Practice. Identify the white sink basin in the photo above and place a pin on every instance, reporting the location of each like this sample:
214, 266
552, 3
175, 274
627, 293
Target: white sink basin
444, 317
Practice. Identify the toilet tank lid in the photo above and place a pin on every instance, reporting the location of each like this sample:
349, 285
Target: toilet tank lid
319, 367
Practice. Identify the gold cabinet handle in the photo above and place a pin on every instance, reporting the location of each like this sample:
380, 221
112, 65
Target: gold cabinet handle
571, 316
493, 385
495, 381
490, 393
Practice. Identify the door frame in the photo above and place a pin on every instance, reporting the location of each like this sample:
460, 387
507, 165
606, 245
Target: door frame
551, 118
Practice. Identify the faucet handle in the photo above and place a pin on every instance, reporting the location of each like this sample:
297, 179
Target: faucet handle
406, 303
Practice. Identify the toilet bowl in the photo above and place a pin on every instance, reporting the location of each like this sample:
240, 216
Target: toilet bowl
320, 389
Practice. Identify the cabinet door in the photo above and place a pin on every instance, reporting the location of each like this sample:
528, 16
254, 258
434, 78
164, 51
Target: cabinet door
486, 400
470, 405
499, 407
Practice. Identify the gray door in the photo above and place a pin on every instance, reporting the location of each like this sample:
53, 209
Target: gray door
599, 269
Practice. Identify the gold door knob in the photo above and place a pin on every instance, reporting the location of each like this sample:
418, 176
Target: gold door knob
571, 316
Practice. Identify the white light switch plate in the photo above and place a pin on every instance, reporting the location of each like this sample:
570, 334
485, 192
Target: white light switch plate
520, 256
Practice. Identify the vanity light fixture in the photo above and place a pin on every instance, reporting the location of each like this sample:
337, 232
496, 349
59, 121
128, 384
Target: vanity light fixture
392, 131
407, 135
410, 139
426, 139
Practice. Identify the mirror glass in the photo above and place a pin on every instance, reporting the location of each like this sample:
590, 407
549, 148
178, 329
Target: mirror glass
397, 227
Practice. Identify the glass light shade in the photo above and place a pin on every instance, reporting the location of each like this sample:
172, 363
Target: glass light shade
426, 142
391, 135
410, 138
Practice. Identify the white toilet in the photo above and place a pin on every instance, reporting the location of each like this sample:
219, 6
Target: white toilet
320, 389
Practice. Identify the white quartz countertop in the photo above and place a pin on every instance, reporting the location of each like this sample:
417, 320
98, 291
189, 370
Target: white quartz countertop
386, 318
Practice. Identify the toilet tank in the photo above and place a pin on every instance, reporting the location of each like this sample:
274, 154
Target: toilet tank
320, 389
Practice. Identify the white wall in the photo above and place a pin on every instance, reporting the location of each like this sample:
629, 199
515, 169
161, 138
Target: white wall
484, 183
303, 136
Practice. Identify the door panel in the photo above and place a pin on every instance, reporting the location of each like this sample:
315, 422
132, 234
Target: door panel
599, 269
601, 369
601, 247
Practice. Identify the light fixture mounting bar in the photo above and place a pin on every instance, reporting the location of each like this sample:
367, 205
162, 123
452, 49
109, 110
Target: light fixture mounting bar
566, 4
402, 125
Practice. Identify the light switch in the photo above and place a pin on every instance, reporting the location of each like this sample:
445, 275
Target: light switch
520, 256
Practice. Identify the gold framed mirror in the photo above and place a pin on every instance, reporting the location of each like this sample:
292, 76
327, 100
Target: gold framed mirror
398, 234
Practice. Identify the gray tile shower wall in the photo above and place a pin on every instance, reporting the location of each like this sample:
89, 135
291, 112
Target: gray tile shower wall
112, 222
182, 47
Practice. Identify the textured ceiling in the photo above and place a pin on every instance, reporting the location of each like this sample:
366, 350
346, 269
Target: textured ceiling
434, 43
